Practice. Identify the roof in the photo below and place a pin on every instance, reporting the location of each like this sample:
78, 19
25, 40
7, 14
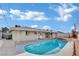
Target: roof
28, 29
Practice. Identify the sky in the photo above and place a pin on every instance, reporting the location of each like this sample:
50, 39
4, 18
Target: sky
52, 16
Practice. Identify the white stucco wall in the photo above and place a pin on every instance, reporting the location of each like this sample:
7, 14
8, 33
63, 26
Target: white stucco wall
54, 35
18, 35
21, 36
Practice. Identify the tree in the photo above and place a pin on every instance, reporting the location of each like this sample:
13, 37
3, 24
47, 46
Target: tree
5, 29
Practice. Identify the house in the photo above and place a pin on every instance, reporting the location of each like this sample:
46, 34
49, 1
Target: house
27, 33
19, 33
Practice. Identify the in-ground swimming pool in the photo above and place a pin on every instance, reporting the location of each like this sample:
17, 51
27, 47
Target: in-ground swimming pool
46, 47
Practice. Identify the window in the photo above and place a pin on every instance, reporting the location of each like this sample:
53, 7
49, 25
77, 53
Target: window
47, 35
51, 34
26, 32
35, 32
3, 36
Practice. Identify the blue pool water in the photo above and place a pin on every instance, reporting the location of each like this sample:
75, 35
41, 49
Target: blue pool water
42, 48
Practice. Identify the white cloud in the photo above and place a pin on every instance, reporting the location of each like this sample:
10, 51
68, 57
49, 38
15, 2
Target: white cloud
64, 12
35, 15
28, 15
15, 12
39, 18
34, 26
72, 27
64, 18
46, 27
2, 13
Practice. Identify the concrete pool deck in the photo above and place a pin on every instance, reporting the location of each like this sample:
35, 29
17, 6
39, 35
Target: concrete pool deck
75, 47
20, 45
7, 48
21, 53
66, 51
